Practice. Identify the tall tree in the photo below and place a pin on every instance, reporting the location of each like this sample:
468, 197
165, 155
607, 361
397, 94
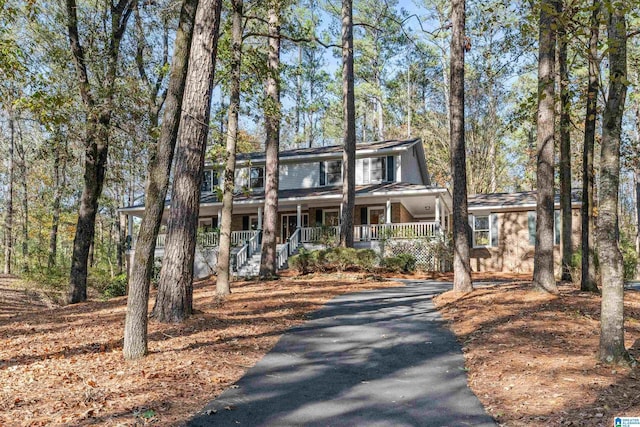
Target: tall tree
135, 332
349, 128
612, 349
588, 275
8, 219
565, 142
174, 302
224, 252
543, 273
98, 103
461, 265
59, 179
268, 264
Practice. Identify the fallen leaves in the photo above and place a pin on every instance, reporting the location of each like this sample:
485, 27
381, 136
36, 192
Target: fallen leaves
64, 366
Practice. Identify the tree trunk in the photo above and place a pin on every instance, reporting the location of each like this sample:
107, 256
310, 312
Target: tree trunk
637, 186
543, 274
175, 288
58, 172
272, 144
25, 203
135, 332
461, 265
96, 140
565, 148
8, 219
588, 275
612, 349
224, 246
349, 132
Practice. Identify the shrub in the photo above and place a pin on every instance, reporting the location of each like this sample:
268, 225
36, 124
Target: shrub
367, 259
117, 287
301, 261
318, 261
341, 258
405, 263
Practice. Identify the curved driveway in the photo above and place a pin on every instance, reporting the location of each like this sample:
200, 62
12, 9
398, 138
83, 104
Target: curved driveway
375, 358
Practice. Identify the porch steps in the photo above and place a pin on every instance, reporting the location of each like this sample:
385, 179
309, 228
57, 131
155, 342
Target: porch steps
252, 267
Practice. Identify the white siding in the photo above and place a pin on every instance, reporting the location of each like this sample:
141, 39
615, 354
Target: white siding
299, 175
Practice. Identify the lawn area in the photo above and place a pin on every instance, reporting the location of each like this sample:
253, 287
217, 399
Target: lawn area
64, 365
531, 358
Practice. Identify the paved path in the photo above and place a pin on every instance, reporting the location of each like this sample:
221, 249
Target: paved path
376, 358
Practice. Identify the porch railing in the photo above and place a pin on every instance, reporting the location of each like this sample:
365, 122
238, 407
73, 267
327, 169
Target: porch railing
294, 241
282, 255
317, 234
406, 230
242, 256
254, 244
210, 238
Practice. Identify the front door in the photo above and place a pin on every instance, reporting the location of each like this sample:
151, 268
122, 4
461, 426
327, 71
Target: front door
377, 215
290, 223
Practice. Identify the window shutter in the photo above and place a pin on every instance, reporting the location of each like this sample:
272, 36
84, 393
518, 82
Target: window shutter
494, 229
556, 227
322, 176
245, 222
319, 216
391, 169
531, 221
470, 231
363, 216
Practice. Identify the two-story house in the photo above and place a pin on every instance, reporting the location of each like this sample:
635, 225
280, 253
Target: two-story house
394, 199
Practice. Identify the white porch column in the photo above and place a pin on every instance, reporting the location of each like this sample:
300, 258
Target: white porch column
340, 216
388, 212
219, 218
259, 217
299, 216
438, 220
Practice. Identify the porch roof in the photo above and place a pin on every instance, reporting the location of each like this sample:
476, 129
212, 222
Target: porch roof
389, 189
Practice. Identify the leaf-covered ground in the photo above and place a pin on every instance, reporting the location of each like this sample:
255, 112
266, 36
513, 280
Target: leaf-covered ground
64, 365
531, 358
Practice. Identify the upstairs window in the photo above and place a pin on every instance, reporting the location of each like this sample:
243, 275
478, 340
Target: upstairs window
375, 169
256, 177
331, 172
209, 181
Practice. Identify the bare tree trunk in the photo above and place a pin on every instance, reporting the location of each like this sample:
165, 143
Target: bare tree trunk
224, 251
53, 236
461, 265
588, 275
543, 274
612, 349
349, 135
637, 186
96, 141
25, 203
174, 302
272, 147
8, 219
565, 148
135, 332
298, 91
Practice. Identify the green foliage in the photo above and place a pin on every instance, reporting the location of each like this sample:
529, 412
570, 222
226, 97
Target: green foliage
334, 259
629, 258
117, 287
405, 263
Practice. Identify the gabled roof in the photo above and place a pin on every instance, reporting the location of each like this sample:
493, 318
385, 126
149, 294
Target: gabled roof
378, 147
513, 200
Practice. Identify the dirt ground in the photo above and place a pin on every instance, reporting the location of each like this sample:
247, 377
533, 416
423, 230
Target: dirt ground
64, 365
531, 358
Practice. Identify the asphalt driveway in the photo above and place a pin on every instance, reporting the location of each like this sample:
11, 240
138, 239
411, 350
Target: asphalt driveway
376, 358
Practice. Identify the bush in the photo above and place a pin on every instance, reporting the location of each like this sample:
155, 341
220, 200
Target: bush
342, 259
367, 259
405, 263
301, 261
117, 287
